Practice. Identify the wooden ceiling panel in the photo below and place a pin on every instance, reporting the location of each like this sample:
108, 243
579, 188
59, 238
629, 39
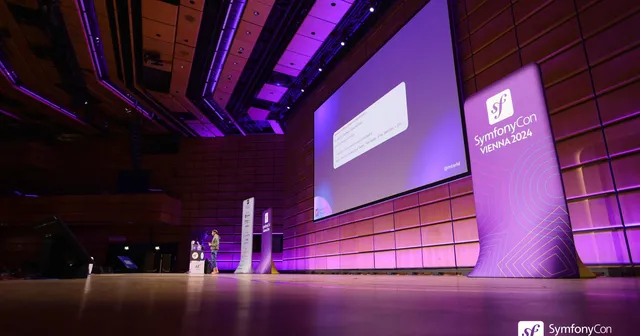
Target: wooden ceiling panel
31, 4
235, 62
157, 30
99, 5
180, 77
73, 24
184, 52
160, 11
293, 60
316, 28
330, 10
267, 2
286, 70
304, 45
256, 12
195, 4
167, 101
241, 48
272, 93
35, 35
155, 45
228, 79
105, 29
248, 32
188, 26
221, 98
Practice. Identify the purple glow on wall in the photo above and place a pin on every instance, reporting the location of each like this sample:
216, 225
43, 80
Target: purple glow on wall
87, 15
521, 210
597, 139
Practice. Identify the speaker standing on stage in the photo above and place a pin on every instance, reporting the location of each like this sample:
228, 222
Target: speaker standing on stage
215, 246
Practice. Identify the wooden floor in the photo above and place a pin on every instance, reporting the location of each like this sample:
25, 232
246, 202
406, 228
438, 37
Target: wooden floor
311, 305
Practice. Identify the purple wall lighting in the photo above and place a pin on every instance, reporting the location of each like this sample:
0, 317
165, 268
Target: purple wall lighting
87, 14
521, 210
591, 87
10, 115
231, 21
11, 76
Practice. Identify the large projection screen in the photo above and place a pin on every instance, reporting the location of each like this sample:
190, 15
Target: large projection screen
396, 124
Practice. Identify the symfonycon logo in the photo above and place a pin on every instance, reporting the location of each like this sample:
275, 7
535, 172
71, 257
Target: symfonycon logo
530, 328
500, 107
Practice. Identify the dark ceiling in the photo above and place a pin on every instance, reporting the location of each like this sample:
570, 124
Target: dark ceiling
189, 67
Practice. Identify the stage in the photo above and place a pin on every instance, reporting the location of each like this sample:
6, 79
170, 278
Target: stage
226, 304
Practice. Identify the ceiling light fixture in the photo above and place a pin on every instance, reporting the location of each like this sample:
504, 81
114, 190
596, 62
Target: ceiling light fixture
342, 44
320, 69
288, 107
301, 90
371, 9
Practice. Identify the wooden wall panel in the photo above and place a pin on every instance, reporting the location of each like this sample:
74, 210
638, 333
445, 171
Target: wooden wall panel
209, 176
584, 48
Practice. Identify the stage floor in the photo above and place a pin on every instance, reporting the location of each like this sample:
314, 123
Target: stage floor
179, 304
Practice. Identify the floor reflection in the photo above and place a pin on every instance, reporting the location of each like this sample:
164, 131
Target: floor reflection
310, 305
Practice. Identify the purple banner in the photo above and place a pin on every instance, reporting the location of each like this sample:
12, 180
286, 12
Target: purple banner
266, 261
521, 209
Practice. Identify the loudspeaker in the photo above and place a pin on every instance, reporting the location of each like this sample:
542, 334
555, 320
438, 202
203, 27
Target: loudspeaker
63, 257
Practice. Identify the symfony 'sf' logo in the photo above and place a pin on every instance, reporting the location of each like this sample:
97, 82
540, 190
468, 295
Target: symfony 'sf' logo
500, 107
530, 328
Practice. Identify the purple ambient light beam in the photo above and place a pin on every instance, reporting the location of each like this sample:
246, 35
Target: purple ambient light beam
11, 77
95, 50
10, 115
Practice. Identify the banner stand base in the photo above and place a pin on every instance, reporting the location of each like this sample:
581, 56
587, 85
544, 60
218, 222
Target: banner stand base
273, 268
585, 273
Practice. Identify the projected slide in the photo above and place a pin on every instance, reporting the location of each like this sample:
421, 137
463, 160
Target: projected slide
380, 122
396, 124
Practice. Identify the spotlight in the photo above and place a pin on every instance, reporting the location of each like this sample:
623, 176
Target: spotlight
320, 69
126, 248
157, 248
288, 107
371, 9
86, 103
301, 90
342, 44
